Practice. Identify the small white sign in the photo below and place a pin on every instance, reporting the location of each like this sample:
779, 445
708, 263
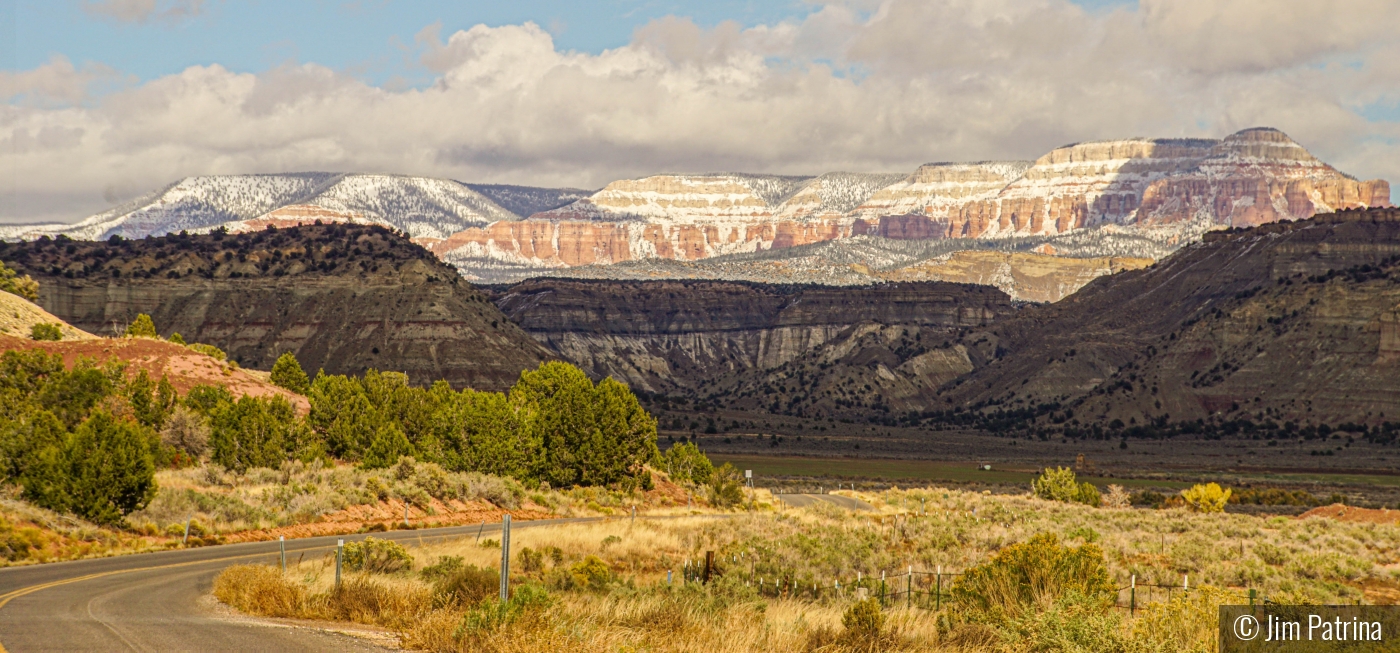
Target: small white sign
748, 473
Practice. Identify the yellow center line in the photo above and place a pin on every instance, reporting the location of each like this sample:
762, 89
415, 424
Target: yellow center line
10, 596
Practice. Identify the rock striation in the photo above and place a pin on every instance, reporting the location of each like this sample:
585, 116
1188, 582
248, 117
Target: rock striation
1289, 321
343, 298
680, 336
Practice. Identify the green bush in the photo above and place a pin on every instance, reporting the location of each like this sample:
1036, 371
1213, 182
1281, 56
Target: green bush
377, 556
176, 338
686, 463
1059, 484
388, 447
209, 350
726, 487
287, 373
444, 567
1034, 575
466, 585
863, 621
46, 331
103, 470
142, 327
492, 614
24, 286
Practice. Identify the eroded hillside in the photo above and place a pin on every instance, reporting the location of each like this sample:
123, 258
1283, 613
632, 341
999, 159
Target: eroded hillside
343, 298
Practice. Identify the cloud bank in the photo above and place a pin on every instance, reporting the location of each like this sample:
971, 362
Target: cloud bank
856, 85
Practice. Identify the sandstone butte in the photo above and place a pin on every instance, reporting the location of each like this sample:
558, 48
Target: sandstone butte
1252, 177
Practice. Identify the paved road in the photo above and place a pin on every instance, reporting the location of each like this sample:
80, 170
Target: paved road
151, 602
804, 500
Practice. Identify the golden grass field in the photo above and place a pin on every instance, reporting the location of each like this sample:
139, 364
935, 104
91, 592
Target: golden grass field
569, 604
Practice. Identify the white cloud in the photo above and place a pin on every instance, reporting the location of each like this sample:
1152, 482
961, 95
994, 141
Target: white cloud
854, 86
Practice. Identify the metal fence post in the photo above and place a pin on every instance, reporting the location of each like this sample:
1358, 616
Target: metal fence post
186, 538
339, 553
1132, 597
909, 588
282, 544
938, 591
505, 557
709, 564
668, 576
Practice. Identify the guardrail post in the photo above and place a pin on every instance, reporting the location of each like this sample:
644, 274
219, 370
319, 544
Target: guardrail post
282, 544
339, 553
505, 557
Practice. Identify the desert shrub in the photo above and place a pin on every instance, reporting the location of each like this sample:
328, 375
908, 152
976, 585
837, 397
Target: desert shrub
287, 373
209, 350
363, 599
489, 615
24, 286
377, 556
142, 327
1189, 622
444, 567
466, 585
1209, 497
590, 573
726, 487
686, 463
531, 561
187, 431
46, 331
1059, 484
260, 589
177, 339
1033, 575
1273, 496
1117, 497
1148, 499
863, 621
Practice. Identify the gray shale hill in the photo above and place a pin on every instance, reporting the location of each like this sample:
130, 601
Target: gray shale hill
343, 298
691, 337
1285, 322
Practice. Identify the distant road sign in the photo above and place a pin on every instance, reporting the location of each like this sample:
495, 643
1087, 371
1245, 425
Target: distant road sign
748, 473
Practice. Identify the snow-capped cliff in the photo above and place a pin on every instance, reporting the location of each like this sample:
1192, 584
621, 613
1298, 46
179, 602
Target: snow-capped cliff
422, 207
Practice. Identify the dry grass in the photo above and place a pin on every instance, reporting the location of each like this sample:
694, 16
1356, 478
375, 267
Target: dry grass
1286, 559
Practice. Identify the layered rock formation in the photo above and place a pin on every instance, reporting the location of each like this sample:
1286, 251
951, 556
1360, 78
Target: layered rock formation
1186, 185
677, 336
1024, 276
342, 298
1291, 321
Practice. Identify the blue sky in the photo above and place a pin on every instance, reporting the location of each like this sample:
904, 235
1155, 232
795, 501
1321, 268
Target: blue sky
372, 39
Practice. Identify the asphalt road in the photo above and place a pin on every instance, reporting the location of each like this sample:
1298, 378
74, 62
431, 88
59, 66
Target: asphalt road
152, 601
804, 500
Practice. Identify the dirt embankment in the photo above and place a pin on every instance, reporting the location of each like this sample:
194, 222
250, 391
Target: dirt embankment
1354, 514
389, 515
185, 368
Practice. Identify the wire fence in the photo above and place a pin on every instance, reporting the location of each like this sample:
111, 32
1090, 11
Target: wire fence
909, 588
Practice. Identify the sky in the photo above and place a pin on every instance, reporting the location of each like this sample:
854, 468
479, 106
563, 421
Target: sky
107, 100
